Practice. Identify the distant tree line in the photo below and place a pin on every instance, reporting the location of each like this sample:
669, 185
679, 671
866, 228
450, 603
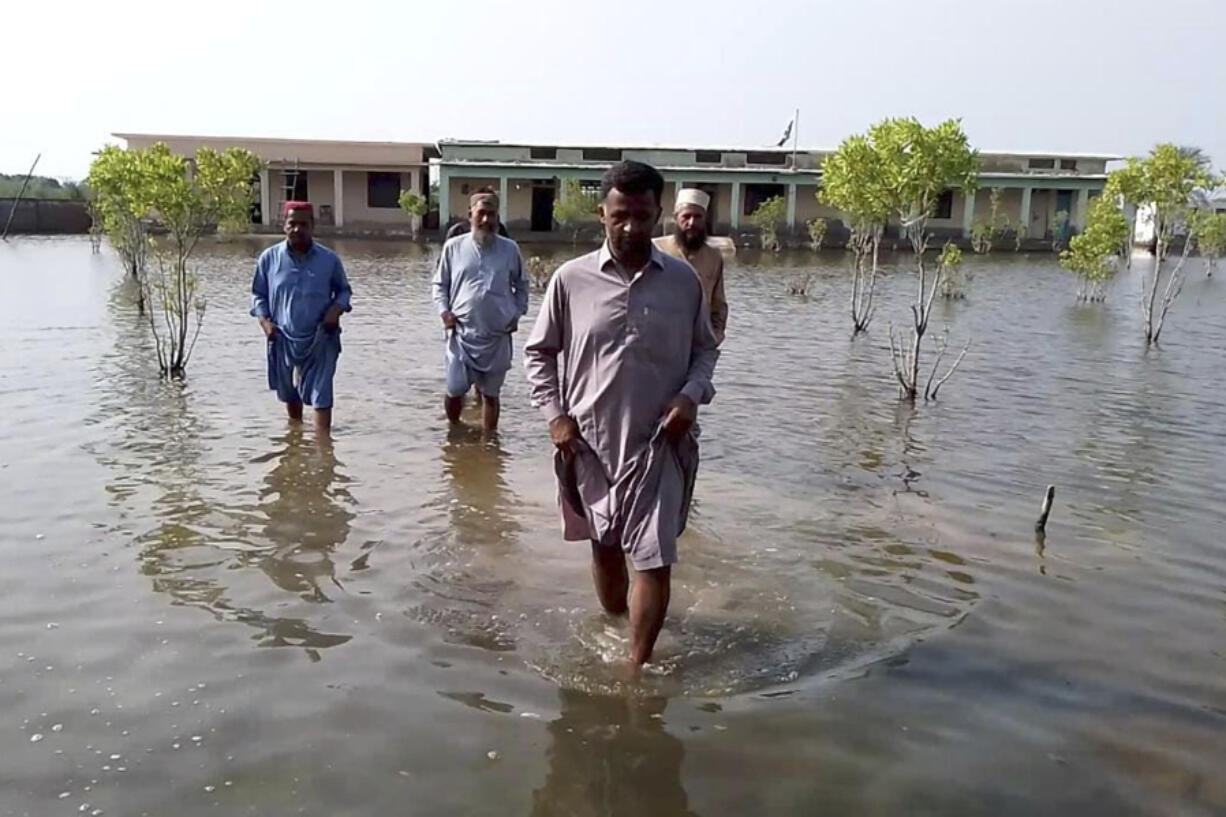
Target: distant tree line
41, 187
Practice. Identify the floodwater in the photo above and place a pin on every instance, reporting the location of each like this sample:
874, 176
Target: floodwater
208, 612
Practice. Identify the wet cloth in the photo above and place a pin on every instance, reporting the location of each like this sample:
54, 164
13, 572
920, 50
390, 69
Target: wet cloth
484, 287
296, 292
644, 512
612, 348
709, 264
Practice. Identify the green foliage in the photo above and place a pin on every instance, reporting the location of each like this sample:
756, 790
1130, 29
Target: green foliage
574, 207
954, 279
413, 203
1092, 254
136, 189
817, 233
1059, 230
1165, 181
767, 218
1208, 230
982, 233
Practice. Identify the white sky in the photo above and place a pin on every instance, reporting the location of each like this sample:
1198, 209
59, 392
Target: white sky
1072, 75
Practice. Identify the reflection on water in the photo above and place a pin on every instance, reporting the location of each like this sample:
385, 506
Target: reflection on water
849, 554
306, 503
611, 756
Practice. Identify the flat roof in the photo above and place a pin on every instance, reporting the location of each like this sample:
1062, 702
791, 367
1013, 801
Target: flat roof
275, 140
741, 149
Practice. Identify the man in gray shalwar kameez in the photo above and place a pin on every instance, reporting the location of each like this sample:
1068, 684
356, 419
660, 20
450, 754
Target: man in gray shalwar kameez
481, 293
620, 358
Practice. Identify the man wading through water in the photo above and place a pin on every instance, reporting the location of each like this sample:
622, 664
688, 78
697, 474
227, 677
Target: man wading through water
689, 243
630, 329
298, 295
480, 293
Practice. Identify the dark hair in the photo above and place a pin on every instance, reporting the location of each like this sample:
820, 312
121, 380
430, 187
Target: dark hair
632, 177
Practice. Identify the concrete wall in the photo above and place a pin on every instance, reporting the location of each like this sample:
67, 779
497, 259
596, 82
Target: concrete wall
45, 216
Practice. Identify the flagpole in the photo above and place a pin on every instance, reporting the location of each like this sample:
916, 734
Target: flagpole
795, 137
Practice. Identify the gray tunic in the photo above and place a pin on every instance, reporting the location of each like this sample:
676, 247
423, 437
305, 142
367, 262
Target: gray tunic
484, 288
611, 349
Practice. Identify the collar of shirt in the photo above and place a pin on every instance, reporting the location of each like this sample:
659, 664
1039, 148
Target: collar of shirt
604, 258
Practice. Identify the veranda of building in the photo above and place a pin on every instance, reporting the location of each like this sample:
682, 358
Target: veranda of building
1034, 187
355, 186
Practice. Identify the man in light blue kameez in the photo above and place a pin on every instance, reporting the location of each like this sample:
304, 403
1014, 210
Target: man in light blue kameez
298, 295
481, 293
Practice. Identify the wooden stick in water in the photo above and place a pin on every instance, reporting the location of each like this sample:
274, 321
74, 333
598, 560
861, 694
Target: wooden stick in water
1041, 525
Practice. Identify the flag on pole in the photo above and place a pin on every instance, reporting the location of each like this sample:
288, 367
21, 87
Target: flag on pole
787, 134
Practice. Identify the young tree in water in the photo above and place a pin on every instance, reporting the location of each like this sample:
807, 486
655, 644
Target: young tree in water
817, 233
120, 211
1165, 181
1209, 228
186, 199
1093, 254
766, 219
954, 279
415, 206
917, 165
853, 181
574, 208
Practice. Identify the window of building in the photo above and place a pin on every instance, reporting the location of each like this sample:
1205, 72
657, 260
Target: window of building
944, 207
1068, 164
766, 157
543, 153
382, 189
1042, 164
708, 157
602, 154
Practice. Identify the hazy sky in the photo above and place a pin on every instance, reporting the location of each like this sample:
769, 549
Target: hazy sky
1073, 75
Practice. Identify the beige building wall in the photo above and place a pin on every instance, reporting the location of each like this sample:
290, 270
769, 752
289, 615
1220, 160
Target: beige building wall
518, 207
809, 208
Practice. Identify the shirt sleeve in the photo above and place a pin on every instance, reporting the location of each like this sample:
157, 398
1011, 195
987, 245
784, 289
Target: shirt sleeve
542, 349
259, 288
441, 283
341, 291
719, 306
519, 285
704, 352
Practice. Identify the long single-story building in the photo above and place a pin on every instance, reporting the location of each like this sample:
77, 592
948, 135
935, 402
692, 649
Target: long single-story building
1034, 186
354, 185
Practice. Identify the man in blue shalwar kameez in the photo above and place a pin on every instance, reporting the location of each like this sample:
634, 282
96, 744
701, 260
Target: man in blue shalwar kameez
480, 292
298, 294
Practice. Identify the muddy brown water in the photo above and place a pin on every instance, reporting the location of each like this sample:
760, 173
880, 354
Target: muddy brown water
207, 612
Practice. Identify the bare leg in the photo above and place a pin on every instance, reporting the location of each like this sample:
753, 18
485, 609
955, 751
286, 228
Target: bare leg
477, 394
453, 406
294, 410
609, 575
491, 408
323, 421
648, 604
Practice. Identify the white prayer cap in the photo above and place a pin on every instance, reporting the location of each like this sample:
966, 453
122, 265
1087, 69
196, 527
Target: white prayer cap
694, 196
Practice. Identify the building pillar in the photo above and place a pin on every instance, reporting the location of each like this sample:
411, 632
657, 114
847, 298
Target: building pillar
968, 212
338, 197
670, 219
444, 201
265, 198
504, 200
1081, 209
791, 208
734, 218
1024, 215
